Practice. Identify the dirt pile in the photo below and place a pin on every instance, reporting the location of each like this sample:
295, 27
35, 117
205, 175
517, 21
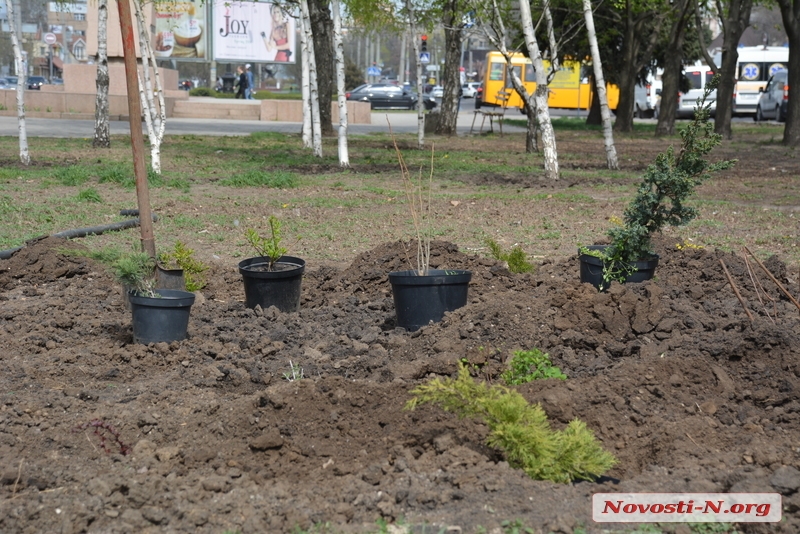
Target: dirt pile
670, 374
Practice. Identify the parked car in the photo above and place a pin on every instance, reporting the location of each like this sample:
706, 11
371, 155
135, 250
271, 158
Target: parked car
57, 81
12, 80
386, 96
642, 108
4, 85
774, 99
470, 89
36, 82
437, 91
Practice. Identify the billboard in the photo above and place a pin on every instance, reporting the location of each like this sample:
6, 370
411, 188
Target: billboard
180, 30
253, 32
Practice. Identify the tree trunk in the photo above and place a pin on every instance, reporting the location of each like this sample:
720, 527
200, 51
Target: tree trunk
321, 29
24, 156
608, 136
791, 21
593, 117
673, 68
344, 158
734, 24
102, 137
420, 95
305, 87
154, 114
316, 127
448, 116
540, 97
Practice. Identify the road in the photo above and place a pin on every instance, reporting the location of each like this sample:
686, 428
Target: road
401, 122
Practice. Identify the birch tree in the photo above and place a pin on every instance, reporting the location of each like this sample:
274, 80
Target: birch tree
316, 126
102, 138
24, 156
608, 135
344, 158
536, 105
412, 26
305, 90
154, 113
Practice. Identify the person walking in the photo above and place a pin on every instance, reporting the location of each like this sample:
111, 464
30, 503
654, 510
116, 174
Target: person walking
241, 85
248, 93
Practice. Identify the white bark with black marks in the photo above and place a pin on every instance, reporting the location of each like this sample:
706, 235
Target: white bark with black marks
24, 156
316, 125
102, 137
344, 158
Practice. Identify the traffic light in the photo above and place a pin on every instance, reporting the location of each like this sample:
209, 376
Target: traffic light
424, 44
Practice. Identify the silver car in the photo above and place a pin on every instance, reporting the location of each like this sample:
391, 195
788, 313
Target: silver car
774, 99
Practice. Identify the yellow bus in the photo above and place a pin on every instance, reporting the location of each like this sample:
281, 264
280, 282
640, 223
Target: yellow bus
569, 88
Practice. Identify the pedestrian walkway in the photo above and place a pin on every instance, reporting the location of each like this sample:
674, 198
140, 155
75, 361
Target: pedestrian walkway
401, 122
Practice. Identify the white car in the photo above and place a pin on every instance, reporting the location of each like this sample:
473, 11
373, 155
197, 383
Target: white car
470, 89
437, 91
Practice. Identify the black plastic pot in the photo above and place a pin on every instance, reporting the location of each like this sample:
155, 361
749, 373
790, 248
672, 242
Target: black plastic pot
160, 319
421, 299
170, 278
592, 269
280, 288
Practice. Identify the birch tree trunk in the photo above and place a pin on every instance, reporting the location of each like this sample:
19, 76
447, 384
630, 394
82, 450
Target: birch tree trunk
316, 127
540, 95
154, 115
420, 95
608, 135
24, 156
344, 158
102, 138
305, 89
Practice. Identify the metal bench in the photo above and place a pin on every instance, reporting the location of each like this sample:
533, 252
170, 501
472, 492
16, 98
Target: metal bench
493, 113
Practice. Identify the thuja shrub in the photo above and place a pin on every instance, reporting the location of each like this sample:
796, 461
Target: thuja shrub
516, 258
519, 429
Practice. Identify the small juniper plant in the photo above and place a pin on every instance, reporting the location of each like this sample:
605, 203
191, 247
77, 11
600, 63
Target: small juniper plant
661, 197
268, 246
519, 429
516, 258
136, 270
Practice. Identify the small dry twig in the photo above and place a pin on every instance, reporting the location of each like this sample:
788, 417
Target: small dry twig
19, 475
772, 277
756, 285
691, 438
736, 291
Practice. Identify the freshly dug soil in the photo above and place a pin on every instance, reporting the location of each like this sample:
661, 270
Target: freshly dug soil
98, 434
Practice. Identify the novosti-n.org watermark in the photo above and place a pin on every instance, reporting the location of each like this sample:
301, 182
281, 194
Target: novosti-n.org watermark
686, 507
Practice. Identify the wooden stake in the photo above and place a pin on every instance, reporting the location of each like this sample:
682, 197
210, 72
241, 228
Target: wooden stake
780, 286
736, 291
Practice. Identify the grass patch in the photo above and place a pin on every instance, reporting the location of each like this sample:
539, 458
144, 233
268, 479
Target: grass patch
256, 178
89, 195
71, 176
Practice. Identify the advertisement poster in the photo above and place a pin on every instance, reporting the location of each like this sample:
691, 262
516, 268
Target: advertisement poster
180, 30
253, 32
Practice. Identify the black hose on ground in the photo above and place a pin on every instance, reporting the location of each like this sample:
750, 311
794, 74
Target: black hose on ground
83, 232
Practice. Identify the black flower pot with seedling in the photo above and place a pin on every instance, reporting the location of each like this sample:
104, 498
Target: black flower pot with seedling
660, 201
272, 278
420, 299
158, 315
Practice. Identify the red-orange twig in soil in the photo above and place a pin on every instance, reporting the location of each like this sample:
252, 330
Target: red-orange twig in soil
757, 285
780, 286
736, 291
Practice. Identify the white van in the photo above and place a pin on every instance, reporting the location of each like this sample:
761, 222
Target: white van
755, 66
698, 76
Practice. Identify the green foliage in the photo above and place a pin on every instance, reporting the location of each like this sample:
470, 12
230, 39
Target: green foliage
72, 175
529, 365
89, 195
353, 75
201, 91
516, 258
256, 178
118, 173
661, 197
182, 257
136, 270
269, 246
519, 429
515, 527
